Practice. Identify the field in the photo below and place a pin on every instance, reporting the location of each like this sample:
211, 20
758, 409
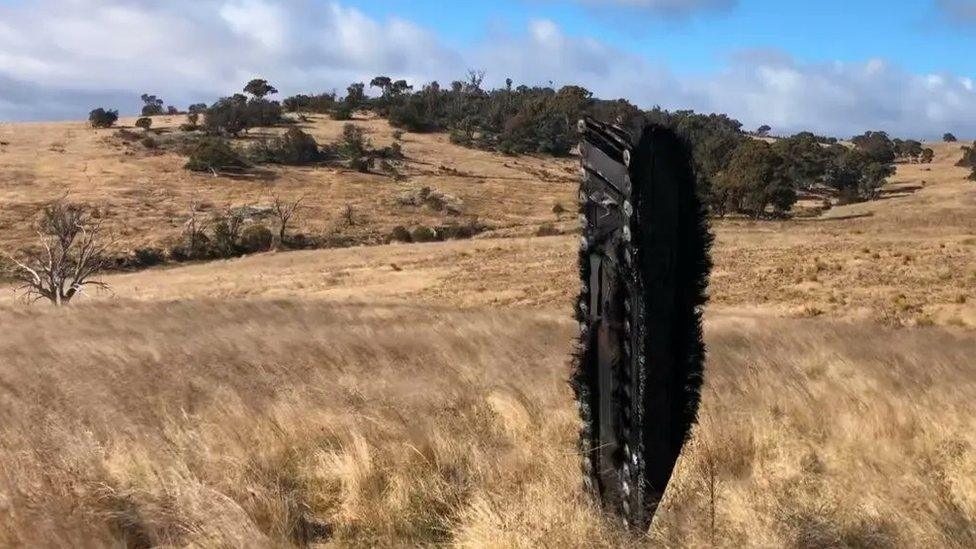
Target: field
393, 395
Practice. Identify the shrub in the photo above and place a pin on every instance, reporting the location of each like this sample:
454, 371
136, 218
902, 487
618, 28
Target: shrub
968, 159
547, 229
213, 155
354, 147
148, 257
423, 234
341, 112
949, 138
256, 238
400, 234
233, 115
294, 148
413, 116
149, 143
144, 123
101, 118
457, 231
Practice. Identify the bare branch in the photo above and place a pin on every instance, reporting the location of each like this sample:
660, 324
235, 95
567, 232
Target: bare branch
284, 212
72, 254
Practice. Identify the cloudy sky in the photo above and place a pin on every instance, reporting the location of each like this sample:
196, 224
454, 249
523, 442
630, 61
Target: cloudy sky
832, 66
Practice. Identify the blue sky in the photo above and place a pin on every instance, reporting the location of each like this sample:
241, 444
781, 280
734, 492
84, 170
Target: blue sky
914, 33
830, 66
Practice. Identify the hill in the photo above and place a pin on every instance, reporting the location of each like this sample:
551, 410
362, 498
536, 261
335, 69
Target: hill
145, 195
413, 394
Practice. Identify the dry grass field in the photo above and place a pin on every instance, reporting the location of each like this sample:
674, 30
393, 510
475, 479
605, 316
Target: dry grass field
144, 195
404, 395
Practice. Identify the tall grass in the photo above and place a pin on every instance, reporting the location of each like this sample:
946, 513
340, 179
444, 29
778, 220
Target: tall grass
278, 424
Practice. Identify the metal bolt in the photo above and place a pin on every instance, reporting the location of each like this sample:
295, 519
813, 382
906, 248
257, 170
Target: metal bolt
626, 158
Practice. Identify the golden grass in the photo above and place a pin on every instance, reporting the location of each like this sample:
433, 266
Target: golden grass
144, 195
410, 395
274, 423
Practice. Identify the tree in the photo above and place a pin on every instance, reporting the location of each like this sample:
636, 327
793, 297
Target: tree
475, 79
227, 116
909, 149
877, 145
283, 212
72, 255
145, 123
172, 111
949, 138
755, 179
855, 175
763, 130
152, 105
102, 118
356, 94
806, 160
260, 88
384, 83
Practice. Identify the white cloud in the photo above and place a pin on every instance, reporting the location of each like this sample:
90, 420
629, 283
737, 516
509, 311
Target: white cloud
192, 50
60, 58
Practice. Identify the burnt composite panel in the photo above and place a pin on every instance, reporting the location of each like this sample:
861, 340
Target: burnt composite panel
644, 264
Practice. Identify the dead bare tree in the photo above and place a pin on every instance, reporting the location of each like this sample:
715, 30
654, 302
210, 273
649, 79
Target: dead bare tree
195, 231
71, 253
284, 212
349, 216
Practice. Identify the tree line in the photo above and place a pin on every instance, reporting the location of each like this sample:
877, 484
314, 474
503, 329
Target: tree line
739, 172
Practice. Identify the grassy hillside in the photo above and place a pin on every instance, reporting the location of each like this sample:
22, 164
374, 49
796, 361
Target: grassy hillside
416, 394
144, 195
